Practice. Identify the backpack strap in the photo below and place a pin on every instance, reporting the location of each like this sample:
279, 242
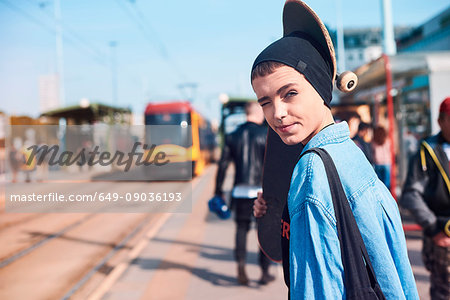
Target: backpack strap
359, 276
430, 150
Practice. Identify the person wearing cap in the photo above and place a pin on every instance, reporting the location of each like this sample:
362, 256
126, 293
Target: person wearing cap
426, 194
293, 81
245, 147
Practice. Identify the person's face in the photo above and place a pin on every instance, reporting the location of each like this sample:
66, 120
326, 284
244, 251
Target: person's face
444, 123
353, 124
291, 106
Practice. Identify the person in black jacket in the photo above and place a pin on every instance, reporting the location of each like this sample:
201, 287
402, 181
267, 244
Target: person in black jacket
245, 147
426, 194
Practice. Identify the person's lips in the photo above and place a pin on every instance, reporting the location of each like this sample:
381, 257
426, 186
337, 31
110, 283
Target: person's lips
286, 128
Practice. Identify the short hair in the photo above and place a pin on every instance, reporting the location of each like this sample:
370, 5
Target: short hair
265, 68
348, 115
363, 126
353, 115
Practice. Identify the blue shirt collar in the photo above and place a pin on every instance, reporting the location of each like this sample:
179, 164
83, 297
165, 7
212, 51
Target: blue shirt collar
335, 133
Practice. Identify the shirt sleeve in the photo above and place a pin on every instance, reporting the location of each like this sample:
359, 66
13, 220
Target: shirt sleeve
412, 197
224, 161
316, 270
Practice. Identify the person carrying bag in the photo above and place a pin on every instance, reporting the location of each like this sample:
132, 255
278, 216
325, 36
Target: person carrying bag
293, 81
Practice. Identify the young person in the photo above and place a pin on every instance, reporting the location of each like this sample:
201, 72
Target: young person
293, 80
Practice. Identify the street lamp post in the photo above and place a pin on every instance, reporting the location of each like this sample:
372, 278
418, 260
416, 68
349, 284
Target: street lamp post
59, 53
113, 45
389, 46
340, 37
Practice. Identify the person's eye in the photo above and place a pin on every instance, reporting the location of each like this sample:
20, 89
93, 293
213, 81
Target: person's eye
264, 103
291, 94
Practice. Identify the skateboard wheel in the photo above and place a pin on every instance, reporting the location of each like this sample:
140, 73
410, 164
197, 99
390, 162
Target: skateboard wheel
346, 81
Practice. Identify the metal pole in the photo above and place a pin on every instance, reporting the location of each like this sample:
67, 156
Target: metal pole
340, 38
389, 45
390, 107
59, 53
113, 45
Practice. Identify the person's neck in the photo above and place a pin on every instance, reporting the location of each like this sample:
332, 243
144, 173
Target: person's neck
327, 120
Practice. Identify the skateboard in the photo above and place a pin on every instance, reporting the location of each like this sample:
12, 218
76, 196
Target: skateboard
280, 159
279, 162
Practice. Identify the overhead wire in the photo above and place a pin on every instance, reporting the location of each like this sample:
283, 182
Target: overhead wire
80, 44
132, 11
142, 24
67, 29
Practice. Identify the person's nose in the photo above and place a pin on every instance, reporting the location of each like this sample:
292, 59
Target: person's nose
280, 111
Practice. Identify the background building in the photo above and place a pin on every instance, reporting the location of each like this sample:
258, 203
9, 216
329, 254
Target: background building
363, 45
420, 78
433, 35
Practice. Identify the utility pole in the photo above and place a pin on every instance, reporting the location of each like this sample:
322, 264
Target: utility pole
113, 45
389, 46
59, 53
340, 37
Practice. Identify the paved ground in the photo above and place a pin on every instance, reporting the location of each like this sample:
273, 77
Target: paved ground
414, 244
191, 257
187, 256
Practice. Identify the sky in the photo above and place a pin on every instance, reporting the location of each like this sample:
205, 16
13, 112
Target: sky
165, 50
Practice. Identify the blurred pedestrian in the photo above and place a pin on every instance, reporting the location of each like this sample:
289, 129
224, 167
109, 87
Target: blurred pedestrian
357, 132
353, 120
293, 81
360, 141
245, 147
382, 155
42, 164
426, 194
410, 143
16, 160
29, 164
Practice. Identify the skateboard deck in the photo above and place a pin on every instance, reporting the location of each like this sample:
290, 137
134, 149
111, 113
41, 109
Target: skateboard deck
279, 162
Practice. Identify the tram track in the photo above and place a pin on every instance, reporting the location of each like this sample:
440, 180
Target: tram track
27, 250
10, 218
78, 234
22, 251
107, 257
121, 266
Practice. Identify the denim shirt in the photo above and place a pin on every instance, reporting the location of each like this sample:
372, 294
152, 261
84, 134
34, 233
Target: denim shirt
316, 270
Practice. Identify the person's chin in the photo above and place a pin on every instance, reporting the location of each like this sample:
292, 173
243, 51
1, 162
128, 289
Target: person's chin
290, 139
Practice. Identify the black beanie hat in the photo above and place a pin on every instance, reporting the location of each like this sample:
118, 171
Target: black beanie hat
301, 52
